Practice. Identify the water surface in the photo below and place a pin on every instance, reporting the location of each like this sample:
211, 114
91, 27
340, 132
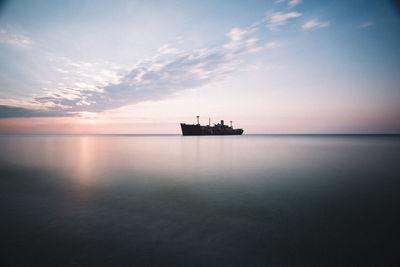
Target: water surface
261, 200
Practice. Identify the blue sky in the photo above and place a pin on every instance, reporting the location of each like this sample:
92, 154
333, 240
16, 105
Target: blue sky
144, 66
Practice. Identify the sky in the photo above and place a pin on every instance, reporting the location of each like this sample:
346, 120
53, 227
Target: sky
137, 67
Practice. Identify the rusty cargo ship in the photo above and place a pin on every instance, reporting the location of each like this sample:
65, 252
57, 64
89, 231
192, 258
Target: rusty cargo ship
216, 129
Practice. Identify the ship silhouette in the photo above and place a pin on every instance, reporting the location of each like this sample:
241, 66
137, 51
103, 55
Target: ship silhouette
216, 129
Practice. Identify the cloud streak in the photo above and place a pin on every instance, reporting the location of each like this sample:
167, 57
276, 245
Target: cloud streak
293, 3
16, 39
314, 23
276, 19
18, 112
366, 24
167, 73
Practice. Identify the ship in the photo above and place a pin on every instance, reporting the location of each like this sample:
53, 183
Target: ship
216, 129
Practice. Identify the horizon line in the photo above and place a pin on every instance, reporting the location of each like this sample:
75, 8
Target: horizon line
168, 134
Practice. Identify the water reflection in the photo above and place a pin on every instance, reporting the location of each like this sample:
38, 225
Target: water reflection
101, 158
170, 200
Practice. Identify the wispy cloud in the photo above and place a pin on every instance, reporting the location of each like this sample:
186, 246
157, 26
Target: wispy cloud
152, 79
314, 23
272, 45
15, 112
241, 42
166, 49
293, 3
276, 19
366, 24
14, 38
90, 88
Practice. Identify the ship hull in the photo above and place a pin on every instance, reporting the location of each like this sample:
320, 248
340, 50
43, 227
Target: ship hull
196, 129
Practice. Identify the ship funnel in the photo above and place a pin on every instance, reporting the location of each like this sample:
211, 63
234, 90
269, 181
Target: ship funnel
231, 123
198, 119
222, 122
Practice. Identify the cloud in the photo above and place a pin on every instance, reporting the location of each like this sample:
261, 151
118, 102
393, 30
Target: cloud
166, 49
241, 42
280, 18
314, 23
237, 34
14, 38
90, 87
17, 112
272, 45
153, 79
365, 24
293, 3
78, 86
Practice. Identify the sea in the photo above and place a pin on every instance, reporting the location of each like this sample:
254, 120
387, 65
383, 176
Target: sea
171, 200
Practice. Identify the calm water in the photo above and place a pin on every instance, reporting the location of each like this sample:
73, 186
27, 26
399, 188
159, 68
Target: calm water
199, 201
